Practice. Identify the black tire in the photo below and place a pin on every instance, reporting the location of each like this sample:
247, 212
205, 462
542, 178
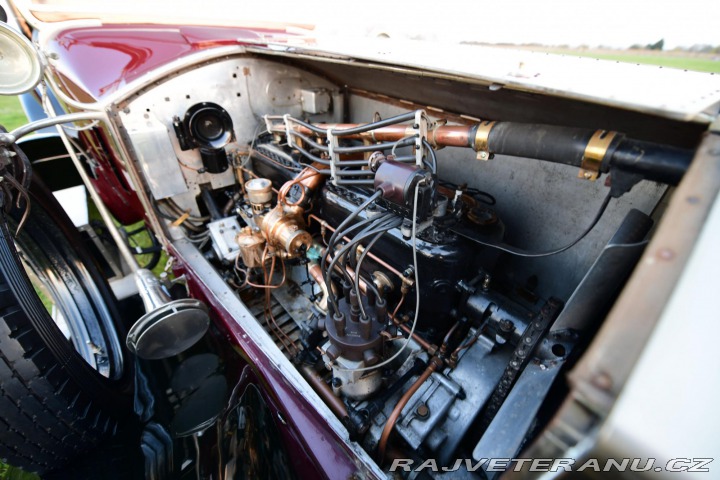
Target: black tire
53, 404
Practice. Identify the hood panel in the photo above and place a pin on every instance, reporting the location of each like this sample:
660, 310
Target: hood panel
94, 62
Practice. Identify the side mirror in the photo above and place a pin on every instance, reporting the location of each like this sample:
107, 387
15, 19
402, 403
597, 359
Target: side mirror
21, 66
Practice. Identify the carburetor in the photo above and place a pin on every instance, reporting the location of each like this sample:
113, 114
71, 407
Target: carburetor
281, 228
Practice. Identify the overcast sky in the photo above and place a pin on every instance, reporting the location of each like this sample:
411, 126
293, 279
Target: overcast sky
617, 23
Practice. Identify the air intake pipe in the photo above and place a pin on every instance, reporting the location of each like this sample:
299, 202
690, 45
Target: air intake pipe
593, 151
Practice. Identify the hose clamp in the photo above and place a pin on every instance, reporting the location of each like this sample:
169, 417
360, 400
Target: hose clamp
482, 135
595, 151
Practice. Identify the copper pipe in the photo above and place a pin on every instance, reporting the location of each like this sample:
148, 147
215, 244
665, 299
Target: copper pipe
311, 182
377, 260
323, 389
316, 273
462, 347
449, 334
399, 304
253, 175
451, 136
431, 349
441, 136
317, 277
435, 363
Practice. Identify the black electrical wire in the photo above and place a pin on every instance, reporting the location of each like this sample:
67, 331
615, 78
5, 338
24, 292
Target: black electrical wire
373, 223
413, 240
354, 149
433, 167
341, 255
522, 253
359, 238
358, 268
310, 156
359, 129
479, 195
359, 224
340, 227
377, 225
379, 222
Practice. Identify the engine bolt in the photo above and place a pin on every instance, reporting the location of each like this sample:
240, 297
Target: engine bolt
506, 325
422, 411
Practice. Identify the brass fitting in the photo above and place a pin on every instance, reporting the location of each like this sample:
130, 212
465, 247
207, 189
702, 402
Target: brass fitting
252, 244
283, 227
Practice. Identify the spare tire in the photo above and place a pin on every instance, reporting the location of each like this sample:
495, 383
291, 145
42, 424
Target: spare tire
64, 384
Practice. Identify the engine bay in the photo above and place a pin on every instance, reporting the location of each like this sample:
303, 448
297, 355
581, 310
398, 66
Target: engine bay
429, 274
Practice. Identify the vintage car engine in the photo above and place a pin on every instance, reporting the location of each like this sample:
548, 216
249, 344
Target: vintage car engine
427, 275
380, 280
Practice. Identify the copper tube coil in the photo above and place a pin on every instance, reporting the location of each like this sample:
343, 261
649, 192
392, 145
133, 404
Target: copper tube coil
434, 364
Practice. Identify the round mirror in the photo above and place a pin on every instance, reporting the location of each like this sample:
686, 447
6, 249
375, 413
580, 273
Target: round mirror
21, 67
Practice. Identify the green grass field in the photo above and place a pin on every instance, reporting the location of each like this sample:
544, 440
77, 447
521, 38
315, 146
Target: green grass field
698, 64
11, 473
11, 114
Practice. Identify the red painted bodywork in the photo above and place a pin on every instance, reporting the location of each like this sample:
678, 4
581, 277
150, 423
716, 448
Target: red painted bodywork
94, 62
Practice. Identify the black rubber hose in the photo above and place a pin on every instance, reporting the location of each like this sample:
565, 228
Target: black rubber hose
348, 220
566, 146
544, 142
654, 162
210, 203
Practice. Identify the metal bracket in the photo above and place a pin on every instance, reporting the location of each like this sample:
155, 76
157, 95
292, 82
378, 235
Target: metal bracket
481, 140
594, 153
288, 129
332, 144
421, 127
